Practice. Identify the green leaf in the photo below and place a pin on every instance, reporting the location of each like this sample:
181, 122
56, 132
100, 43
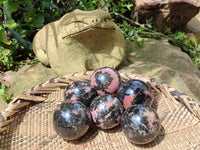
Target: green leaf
129, 6
10, 7
136, 37
168, 31
11, 23
149, 26
45, 4
3, 1
123, 10
131, 33
3, 38
29, 16
23, 32
180, 36
2, 89
149, 21
38, 21
6, 97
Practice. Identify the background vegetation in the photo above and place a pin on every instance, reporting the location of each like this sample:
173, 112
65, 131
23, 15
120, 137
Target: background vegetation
21, 19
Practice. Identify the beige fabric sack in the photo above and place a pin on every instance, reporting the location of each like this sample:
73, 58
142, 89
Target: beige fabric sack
79, 41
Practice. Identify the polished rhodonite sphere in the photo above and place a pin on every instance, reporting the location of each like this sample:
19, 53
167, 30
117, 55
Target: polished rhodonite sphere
140, 124
80, 91
105, 80
134, 92
71, 120
106, 111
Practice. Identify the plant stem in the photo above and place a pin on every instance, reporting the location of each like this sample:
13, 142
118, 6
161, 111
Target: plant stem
7, 16
64, 5
141, 25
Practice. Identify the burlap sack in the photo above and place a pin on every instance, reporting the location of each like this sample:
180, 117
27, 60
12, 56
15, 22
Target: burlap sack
80, 41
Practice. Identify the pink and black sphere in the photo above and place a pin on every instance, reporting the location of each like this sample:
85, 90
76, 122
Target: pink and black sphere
71, 120
140, 124
106, 111
134, 92
105, 80
80, 90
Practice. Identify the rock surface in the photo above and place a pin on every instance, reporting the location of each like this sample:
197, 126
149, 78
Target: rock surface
2, 104
27, 77
166, 63
194, 24
166, 13
194, 27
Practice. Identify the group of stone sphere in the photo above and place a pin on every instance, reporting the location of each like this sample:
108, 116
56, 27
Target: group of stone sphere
107, 102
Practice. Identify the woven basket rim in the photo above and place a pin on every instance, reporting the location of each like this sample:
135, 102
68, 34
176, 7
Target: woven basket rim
39, 93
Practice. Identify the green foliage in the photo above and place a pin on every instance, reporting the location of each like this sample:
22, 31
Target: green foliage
3, 35
6, 58
131, 33
119, 10
87, 5
121, 7
5, 96
148, 30
190, 47
20, 21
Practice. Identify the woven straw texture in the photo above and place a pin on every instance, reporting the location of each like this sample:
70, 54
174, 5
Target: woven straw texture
27, 122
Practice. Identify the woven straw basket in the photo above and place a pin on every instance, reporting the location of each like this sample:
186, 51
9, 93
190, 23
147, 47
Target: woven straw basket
27, 122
